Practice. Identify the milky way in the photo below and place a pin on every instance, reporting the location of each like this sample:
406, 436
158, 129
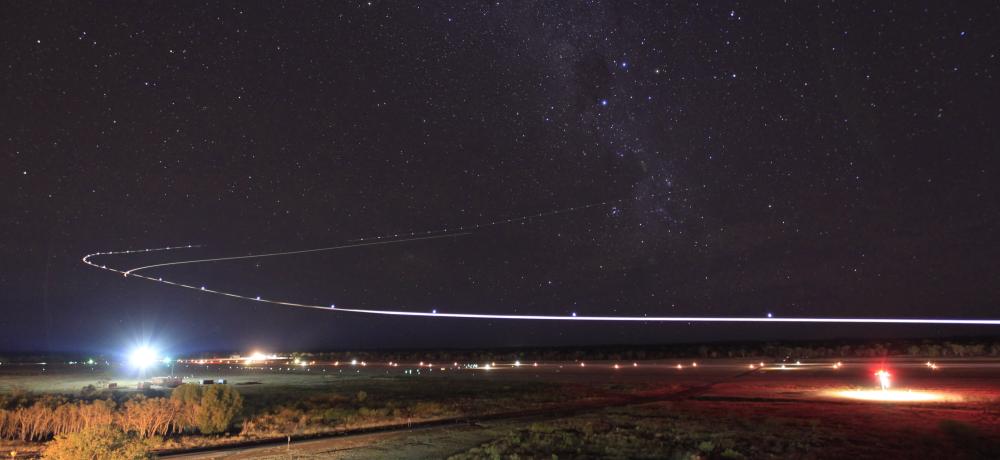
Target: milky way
809, 160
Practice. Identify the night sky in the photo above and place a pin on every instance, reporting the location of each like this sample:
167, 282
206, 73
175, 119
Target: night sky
805, 159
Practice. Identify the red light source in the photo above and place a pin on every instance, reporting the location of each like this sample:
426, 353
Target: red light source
883, 378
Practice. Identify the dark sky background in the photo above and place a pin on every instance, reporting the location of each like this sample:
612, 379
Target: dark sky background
820, 159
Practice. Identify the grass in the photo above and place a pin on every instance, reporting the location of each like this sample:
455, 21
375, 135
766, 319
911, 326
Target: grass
651, 431
359, 403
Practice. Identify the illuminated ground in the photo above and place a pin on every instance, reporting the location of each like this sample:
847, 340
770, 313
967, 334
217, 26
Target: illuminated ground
810, 409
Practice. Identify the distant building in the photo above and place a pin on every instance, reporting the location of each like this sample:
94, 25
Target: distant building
168, 381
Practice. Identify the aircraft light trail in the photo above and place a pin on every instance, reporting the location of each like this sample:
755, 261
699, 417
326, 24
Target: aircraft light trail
453, 232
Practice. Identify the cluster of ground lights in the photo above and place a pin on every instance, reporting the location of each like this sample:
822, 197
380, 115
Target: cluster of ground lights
880, 389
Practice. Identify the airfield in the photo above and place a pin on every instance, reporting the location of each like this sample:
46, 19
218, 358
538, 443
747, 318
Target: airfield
805, 409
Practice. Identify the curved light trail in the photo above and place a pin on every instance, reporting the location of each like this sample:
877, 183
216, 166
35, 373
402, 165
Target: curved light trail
452, 232
286, 253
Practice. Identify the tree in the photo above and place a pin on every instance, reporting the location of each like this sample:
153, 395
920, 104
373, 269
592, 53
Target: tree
187, 393
188, 396
220, 404
211, 408
100, 442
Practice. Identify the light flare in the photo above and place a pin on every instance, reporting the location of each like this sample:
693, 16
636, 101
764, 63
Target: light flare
895, 395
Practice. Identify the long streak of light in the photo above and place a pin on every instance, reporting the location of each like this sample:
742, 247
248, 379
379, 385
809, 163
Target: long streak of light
466, 230
439, 314
288, 253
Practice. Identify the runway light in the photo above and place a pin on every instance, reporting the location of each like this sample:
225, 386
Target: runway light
883, 378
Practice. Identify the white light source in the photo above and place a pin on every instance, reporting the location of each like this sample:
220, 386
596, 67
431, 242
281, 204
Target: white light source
142, 357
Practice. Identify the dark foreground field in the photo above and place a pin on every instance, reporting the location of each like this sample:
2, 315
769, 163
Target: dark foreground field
717, 409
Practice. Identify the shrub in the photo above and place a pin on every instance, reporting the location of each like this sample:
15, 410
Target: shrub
88, 391
220, 404
187, 393
211, 408
730, 453
103, 442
